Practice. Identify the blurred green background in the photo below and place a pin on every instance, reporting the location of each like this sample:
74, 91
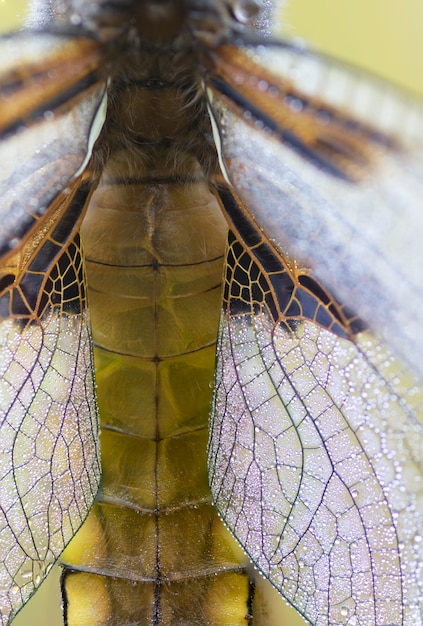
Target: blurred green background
381, 35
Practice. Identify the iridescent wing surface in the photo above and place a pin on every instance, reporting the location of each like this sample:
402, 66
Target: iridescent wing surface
316, 436
51, 93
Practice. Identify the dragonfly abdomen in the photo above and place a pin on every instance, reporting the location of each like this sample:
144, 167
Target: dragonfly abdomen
154, 239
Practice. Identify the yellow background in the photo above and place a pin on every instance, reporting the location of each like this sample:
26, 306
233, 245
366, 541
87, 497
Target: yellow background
381, 35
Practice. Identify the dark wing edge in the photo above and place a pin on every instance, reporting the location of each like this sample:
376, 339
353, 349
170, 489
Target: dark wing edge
52, 94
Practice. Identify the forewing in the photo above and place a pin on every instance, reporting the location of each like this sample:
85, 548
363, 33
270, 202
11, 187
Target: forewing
51, 93
317, 436
329, 163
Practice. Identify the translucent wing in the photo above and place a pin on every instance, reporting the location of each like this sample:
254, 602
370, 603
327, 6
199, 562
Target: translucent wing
338, 158
50, 93
316, 443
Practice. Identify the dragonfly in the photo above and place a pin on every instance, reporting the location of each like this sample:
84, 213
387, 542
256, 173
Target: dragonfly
316, 430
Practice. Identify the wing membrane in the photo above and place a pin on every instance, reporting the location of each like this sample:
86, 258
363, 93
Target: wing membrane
315, 450
49, 469
339, 191
45, 123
